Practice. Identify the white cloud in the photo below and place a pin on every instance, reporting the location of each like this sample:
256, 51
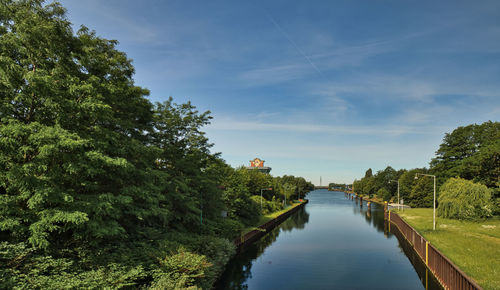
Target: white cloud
274, 74
231, 124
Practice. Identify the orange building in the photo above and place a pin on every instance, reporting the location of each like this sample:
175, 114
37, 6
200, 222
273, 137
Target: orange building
258, 164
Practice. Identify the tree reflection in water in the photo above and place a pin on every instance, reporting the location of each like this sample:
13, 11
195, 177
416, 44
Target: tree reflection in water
374, 215
238, 270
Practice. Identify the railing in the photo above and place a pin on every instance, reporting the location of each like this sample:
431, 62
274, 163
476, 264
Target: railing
443, 269
266, 227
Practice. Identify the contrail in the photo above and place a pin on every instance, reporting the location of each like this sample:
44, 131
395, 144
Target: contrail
292, 42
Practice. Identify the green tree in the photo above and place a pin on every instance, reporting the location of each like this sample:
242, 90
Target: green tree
368, 173
464, 199
369, 186
184, 160
288, 191
422, 193
73, 151
407, 182
97, 184
258, 180
382, 178
384, 194
471, 152
238, 199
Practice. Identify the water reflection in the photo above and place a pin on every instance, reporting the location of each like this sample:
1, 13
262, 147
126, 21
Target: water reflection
238, 270
373, 214
345, 245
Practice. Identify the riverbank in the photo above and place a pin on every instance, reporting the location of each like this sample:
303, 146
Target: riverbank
266, 223
474, 246
265, 218
324, 244
366, 198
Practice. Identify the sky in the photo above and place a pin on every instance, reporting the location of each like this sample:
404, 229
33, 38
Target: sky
315, 88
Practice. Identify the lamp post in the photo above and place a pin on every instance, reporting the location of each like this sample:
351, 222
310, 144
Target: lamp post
270, 188
434, 205
398, 191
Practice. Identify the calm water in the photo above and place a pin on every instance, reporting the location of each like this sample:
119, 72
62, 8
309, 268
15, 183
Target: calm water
334, 243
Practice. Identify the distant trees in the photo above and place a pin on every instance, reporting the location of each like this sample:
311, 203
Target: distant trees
242, 188
470, 153
338, 186
378, 184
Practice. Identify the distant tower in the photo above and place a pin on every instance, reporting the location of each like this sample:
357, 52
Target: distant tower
320, 181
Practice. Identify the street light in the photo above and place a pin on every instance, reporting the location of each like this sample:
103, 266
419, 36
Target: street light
434, 206
270, 188
399, 202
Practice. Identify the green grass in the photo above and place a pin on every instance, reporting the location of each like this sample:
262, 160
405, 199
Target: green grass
474, 246
265, 218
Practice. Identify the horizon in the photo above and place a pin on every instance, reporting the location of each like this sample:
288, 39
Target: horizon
315, 89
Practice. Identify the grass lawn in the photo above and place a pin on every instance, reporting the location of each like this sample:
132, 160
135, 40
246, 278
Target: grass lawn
265, 218
474, 246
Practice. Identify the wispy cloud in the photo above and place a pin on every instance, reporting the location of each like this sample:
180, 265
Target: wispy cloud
274, 74
315, 88
299, 50
229, 124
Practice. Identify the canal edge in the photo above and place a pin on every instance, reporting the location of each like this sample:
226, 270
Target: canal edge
263, 229
441, 267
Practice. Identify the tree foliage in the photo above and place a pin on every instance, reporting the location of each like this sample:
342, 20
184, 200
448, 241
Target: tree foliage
422, 193
464, 199
99, 187
371, 185
471, 152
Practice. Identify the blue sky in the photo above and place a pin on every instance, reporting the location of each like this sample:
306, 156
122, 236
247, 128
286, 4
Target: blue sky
315, 88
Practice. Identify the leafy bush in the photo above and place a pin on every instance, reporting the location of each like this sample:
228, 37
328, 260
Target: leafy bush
22, 267
464, 199
180, 270
268, 206
227, 228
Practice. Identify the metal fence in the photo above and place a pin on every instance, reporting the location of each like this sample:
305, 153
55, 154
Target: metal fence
261, 230
443, 269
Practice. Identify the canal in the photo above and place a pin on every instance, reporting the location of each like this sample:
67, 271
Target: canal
333, 243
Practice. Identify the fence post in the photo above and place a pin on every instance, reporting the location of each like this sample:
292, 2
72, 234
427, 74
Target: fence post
389, 223
427, 253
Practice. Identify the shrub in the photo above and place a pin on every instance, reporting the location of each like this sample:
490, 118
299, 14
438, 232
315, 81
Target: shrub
181, 270
464, 199
384, 193
268, 206
21, 267
226, 227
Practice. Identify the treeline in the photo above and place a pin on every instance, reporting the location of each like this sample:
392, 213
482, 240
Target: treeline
470, 153
339, 186
98, 186
243, 189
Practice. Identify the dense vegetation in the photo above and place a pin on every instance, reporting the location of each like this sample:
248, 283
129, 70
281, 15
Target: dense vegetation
339, 186
471, 153
98, 186
464, 199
